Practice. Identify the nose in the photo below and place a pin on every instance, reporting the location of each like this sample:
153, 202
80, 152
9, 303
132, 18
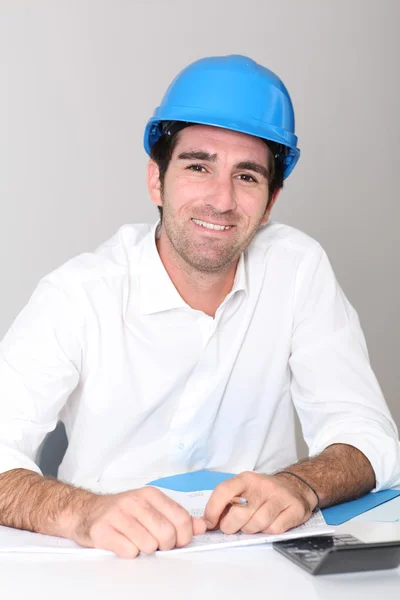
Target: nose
222, 195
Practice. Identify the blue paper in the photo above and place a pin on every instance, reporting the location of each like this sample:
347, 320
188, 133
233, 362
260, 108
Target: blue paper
335, 515
192, 482
389, 512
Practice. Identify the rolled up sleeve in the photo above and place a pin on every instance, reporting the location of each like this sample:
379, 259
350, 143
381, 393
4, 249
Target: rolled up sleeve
40, 358
334, 389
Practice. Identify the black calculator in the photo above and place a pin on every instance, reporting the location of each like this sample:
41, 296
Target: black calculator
326, 555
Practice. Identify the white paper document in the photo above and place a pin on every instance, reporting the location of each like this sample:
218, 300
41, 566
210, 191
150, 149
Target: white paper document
15, 540
195, 503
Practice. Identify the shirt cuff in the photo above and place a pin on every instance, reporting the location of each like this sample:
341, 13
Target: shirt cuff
12, 459
382, 451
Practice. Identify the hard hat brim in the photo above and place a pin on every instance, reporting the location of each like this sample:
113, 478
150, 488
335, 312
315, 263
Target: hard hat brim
252, 127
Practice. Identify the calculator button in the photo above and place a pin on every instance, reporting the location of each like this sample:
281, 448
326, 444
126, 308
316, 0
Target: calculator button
308, 555
347, 540
338, 542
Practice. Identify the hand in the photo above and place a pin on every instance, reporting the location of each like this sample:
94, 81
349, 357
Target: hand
276, 503
142, 520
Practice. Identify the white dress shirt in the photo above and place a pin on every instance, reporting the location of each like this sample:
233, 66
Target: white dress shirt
149, 387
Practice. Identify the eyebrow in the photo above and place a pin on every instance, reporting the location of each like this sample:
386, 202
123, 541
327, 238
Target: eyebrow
250, 165
247, 165
198, 155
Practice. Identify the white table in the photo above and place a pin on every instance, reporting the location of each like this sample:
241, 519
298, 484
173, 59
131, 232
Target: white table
234, 574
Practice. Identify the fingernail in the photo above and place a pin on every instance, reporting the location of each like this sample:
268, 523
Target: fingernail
209, 525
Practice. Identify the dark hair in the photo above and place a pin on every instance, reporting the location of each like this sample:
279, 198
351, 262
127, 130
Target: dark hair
162, 150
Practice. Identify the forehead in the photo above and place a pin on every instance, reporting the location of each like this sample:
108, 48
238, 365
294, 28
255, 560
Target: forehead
216, 140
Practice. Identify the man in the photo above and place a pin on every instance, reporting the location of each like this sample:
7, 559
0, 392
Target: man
184, 345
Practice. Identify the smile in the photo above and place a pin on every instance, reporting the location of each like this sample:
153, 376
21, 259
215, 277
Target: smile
211, 225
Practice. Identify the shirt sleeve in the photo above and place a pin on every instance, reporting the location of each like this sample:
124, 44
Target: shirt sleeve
334, 389
40, 358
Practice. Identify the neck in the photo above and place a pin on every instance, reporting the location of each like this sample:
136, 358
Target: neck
200, 290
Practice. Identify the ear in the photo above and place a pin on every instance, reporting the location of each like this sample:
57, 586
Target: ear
270, 207
153, 182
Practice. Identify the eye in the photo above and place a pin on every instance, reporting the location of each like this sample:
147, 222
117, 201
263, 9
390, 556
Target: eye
196, 168
247, 177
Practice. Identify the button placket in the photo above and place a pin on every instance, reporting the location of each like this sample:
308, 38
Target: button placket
192, 413
207, 327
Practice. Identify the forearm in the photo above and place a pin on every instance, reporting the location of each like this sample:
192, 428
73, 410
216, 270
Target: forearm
341, 472
41, 504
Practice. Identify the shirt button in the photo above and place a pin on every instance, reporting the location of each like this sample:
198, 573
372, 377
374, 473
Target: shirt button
181, 446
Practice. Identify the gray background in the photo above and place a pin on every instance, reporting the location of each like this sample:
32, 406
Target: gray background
79, 79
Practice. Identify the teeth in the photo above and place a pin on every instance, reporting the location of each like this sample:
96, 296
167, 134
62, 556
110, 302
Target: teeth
211, 225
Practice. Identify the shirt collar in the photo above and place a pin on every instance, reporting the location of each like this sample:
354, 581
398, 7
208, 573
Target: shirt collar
157, 293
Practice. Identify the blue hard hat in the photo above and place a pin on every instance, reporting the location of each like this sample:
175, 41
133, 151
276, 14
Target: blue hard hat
233, 92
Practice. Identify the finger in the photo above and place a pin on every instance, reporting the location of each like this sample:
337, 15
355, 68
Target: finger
224, 512
251, 519
221, 497
156, 523
286, 520
138, 534
199, 526
234, 519
178, 516
185, 526
165, 519
264, 516
108, 538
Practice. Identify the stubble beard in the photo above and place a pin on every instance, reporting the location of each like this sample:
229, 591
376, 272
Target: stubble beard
197, 255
